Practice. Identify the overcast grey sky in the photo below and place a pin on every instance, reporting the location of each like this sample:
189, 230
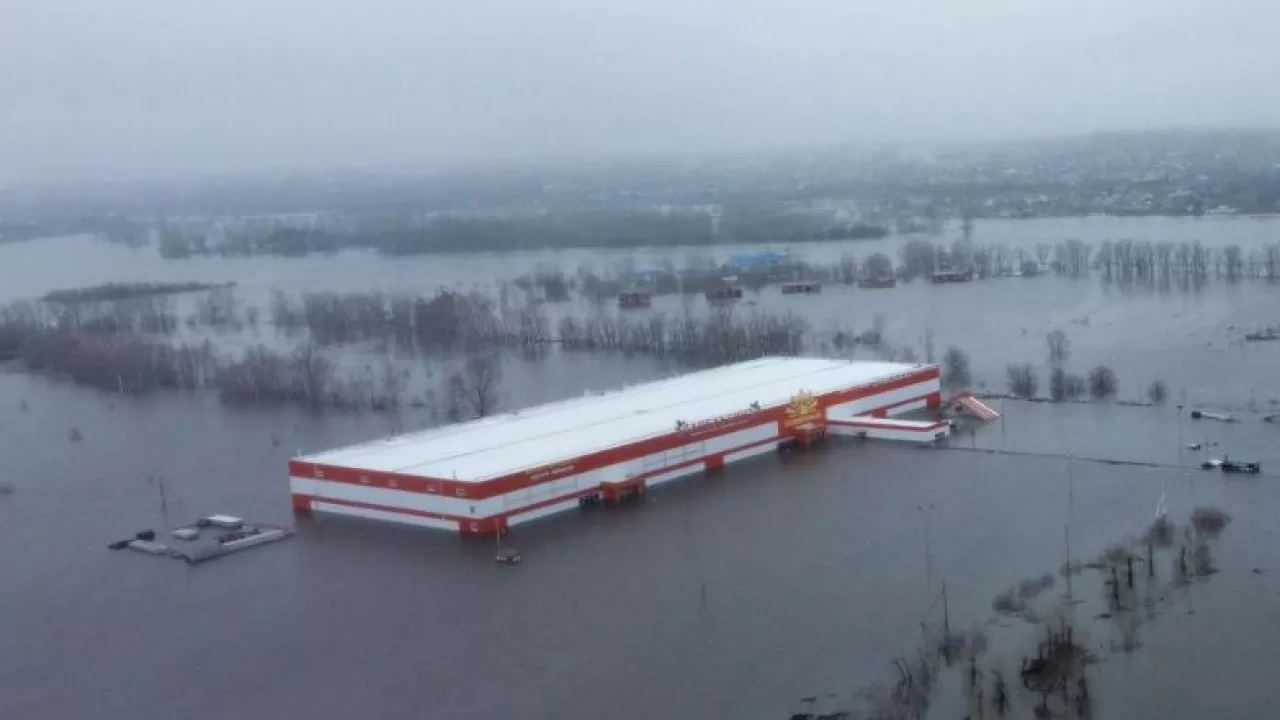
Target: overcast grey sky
136, 88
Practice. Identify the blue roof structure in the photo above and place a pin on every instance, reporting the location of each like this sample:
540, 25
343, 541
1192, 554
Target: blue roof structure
755, 260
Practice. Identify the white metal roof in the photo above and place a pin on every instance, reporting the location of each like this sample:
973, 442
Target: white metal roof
546, 434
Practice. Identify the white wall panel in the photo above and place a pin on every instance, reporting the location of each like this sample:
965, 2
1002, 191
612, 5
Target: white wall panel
516, 499
684, 454
337, 509
647, 463
542, 512
590, 480
696, 451
427, 502
892, 397
909, 407
558, 488
666, 477
541, 491
764, 449
610, 474
749, 436
889, 433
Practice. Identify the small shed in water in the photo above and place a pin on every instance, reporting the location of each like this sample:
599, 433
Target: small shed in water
801, 288
635, 299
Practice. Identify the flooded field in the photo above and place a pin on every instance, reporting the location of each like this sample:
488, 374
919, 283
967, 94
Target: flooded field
732, 596
728, 597
1185, 338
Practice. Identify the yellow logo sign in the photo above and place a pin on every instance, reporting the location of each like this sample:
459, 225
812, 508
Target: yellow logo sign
802, 409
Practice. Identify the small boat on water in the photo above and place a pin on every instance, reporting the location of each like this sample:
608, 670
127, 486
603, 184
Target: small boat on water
1206, 415
1227, 466
1263, 335
1252, 468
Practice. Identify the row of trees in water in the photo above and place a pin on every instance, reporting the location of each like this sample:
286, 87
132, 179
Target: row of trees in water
462, 232
1123, 261
132, 363
1113, 259
121, 346
1099, 383
307, 376
106, 345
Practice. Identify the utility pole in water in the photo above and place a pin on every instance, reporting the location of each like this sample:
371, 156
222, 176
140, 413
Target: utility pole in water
1004, 415
928, 548
164, 498
946, 626
1066, 528
1070, 570
946, 615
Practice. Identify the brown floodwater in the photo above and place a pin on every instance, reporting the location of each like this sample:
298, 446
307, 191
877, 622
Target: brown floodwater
725, 597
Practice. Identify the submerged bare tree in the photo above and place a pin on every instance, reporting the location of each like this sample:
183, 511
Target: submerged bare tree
1057, 384
1064, 385
1022, 380
476, 385
1059, 347
1102, 382
1074, 385
312, 372
955, 368
1234, 260
878, 265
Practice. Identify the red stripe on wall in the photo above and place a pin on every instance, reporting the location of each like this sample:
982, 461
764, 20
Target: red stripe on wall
931, 372
302, 503
700, 460
592, 461
377, 506
489, 524
400, 510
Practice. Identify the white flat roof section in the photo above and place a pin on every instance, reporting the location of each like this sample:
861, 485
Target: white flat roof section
556, 432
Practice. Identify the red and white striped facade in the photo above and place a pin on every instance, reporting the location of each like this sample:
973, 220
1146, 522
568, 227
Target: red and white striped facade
492, 474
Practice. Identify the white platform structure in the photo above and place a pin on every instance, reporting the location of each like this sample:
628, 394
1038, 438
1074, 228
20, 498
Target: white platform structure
487, 475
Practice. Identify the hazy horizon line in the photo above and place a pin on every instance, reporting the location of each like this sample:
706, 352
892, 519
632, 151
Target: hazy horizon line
619, 160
